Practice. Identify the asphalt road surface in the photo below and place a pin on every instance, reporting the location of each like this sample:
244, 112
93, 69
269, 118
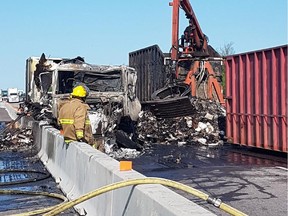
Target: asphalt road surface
252, 182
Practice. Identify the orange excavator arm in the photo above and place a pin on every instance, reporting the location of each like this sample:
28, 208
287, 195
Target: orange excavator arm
197, 32
190, 73
194, 34
193, 51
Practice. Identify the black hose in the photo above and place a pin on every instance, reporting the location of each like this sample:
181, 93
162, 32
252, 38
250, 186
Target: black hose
45, 175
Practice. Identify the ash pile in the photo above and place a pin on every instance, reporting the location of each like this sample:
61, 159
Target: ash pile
206, 126
15, 139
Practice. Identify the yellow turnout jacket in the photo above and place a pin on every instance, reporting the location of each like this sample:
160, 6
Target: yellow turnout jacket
73, 118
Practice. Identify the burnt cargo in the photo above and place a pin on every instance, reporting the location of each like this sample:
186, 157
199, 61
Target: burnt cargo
149, 64
256, 102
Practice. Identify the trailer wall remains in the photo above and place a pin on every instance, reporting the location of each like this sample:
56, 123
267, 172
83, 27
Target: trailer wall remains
149, 63
256, 90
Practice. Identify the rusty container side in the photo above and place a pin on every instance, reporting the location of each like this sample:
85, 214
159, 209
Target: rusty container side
256, 98
149, 64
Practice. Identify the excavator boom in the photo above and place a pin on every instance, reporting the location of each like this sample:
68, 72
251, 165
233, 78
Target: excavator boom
196, 35
191, 70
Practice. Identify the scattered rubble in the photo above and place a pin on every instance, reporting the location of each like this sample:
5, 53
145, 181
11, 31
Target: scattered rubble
206, 126
16, 139
123, 153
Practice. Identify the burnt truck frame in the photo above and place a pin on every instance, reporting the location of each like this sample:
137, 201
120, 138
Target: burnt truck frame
112, 98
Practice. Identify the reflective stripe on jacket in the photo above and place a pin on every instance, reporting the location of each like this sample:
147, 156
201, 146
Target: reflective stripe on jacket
73, 118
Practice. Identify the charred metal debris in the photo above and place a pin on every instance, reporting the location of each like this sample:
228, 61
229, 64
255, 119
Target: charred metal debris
111, 95
16, 139
116, 116
206, 126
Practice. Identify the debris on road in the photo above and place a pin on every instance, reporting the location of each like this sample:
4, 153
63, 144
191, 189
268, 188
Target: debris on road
16, 139
206, 126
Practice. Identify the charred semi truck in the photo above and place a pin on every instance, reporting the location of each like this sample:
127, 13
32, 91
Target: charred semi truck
112, 99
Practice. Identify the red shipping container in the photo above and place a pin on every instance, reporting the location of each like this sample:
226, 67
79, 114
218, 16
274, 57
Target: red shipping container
256, 98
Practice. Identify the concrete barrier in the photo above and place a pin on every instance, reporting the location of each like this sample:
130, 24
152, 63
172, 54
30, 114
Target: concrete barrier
79, 169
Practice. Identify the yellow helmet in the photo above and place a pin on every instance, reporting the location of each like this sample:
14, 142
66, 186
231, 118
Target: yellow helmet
79, 91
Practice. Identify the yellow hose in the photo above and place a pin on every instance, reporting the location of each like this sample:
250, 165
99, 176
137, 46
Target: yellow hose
229, 209
40, 211
166, 182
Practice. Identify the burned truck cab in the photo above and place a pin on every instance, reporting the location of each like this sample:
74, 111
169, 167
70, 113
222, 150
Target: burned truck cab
111, 91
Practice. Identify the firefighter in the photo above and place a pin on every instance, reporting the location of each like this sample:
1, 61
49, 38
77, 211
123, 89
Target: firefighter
73, 118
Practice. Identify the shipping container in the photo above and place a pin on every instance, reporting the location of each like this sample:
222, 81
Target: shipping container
149, 64
256, 99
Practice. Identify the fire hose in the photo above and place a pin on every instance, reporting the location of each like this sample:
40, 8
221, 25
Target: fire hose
55, 210
41, 176
216, 202
35, 193
66, 205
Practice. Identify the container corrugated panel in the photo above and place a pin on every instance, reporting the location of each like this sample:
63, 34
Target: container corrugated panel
149, 64
256, 99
